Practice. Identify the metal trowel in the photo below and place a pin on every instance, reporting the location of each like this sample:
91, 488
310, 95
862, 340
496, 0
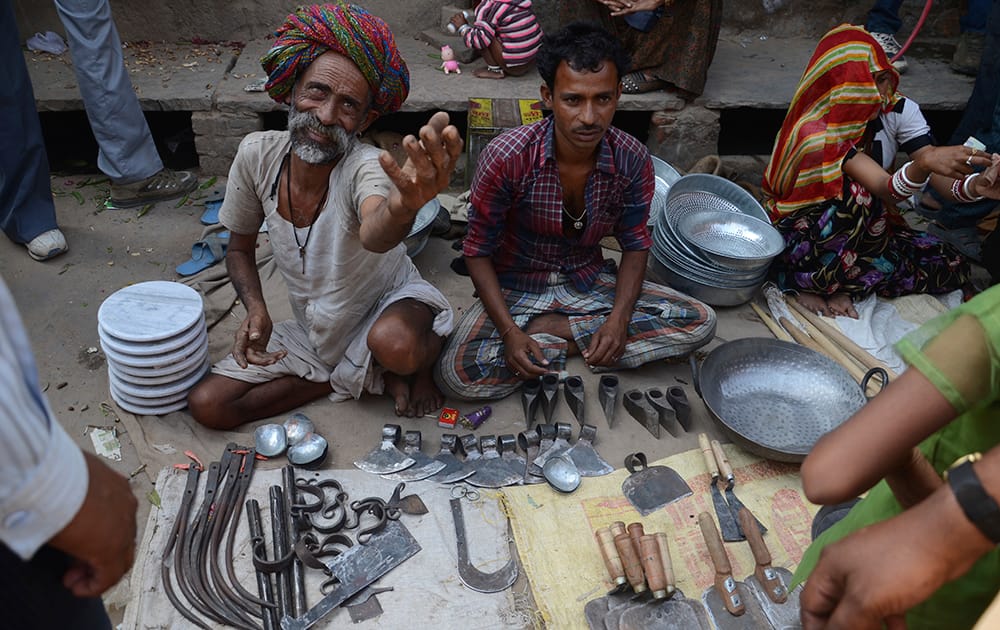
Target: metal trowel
585, 456
423, 467
726, 600
386, 458
769, 585
649, 488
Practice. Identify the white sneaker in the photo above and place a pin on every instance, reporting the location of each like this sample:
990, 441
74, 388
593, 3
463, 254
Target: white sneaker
47, 245
891, 47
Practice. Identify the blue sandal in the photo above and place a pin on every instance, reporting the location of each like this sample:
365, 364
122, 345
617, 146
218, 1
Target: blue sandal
205, 253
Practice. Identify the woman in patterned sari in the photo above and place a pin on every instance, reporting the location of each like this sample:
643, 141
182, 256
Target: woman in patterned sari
835, 202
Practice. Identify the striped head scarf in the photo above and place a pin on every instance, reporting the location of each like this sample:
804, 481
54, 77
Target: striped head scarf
346, 29
836, 98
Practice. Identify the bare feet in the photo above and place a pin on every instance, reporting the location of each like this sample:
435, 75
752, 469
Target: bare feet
414, 395
557, 325
837, 305
842, 305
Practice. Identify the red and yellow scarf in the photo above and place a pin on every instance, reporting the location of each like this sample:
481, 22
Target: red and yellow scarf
836, 98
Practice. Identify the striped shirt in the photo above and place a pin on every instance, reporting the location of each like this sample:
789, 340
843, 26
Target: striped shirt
516, 208
510, 21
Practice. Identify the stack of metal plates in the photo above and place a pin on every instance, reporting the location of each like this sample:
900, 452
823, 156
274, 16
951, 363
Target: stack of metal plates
156, 342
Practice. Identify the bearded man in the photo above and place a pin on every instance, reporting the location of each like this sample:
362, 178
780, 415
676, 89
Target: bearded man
337, 212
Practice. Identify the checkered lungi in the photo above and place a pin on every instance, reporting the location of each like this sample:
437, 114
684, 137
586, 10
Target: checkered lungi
665, 324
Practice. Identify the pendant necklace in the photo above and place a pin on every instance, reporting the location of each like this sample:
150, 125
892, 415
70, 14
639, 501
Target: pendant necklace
295, 231
577, 221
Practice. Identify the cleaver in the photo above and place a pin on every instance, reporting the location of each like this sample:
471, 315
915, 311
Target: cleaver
357, 568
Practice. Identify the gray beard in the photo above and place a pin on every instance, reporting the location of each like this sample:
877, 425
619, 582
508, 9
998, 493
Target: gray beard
310, 151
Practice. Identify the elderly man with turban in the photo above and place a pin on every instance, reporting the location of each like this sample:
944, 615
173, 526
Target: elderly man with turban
337, 212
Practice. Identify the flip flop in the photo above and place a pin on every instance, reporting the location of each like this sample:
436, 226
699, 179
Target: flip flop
637, 83
211, 214
205, 253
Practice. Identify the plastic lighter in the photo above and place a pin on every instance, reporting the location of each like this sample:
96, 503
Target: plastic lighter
477, 417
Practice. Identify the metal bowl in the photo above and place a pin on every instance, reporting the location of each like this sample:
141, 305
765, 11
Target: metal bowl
776, 398
270, 440
297, 427
732, 239
310, 451
712, 295
416, 240
706, 185
666, 176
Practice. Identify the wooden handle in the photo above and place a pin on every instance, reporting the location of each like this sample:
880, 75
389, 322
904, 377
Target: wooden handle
843, 340
635, 532
725, 585
617, 528
801, 337
706, 451
652, 565
720, 456
631, 563
805, 340
832, 349
668, 566
775, 329
613, 562
767, 576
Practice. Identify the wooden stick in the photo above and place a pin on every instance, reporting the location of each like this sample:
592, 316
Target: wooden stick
769, 322
832, 349
845, 342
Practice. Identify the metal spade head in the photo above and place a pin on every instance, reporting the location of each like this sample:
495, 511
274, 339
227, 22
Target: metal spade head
573, 392
550, 387
423, 466
530, 397
270, 440
649, 488
296, 427
665, 413
492, 471
585, 456
608, 393
640, 409
310, 451
528, 441
784, 615
454, 469
386, 458
561, 473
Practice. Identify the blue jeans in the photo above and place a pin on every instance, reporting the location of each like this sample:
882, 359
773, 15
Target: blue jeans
884, 16
26, 208
127, 151
980, 119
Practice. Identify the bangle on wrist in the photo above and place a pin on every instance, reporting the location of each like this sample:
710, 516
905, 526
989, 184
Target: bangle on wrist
463, 29
507, 330
961, 189
900, 186
910, 182
977, 505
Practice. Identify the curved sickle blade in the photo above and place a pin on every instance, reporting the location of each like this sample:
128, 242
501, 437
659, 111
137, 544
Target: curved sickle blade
471, 576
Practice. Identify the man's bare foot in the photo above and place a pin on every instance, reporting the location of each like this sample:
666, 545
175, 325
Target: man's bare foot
557, 325
842, 305
414, 396
398, 388
814, 303
425, 396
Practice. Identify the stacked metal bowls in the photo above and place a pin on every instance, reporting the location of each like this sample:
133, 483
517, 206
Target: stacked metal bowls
666, 176
713, 241
156, 342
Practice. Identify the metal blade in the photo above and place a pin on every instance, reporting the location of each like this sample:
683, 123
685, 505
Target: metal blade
384, 458
730, 527
358, 567
735, 505
422, 468
472, 577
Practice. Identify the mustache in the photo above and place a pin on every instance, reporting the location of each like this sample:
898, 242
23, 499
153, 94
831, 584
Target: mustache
587, 128
309, 121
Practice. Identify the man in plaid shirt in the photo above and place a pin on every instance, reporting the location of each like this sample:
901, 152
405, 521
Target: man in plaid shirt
543, 197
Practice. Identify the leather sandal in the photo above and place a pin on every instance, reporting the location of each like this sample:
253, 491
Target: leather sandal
637, 83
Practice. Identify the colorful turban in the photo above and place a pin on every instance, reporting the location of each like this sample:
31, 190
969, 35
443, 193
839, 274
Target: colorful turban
346, 29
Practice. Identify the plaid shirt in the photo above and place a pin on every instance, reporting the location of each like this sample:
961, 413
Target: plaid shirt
516, 215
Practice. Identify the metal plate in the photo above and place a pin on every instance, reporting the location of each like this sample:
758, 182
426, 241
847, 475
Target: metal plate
777, 398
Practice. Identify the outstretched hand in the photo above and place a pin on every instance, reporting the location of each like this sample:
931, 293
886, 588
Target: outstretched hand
428, 167
250, 346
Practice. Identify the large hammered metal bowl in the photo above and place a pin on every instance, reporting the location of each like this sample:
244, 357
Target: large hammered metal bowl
665, 176
776, 398
732, 239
